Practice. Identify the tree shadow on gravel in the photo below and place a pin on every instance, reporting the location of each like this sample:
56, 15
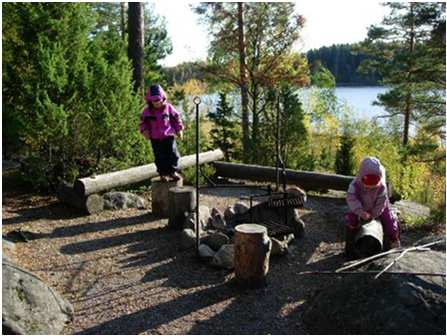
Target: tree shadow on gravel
163, 313
53, 211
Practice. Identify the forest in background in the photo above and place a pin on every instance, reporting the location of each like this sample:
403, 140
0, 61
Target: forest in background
70, 108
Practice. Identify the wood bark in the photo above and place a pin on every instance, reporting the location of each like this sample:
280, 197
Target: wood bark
181, 202
90, 204
304, 179
252, 249
104, 182
160, 196
136, 43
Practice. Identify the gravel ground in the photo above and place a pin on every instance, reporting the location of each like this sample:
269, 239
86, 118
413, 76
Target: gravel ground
124, 273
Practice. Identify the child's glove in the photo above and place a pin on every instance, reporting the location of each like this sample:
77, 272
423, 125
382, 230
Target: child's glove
180, 135
365, 215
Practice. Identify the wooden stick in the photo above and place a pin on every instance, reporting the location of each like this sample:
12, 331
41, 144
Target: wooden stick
370, 272
380, 255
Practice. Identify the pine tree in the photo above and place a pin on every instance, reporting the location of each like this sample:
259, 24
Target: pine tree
344, 161
71, 90
224, 134
410, 56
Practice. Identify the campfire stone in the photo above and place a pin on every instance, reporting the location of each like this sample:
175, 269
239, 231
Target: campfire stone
217, 222
216, 240
187, 238
204, 216
240, 208
229, 213
224, 257
215, 212
279, 247
206, 252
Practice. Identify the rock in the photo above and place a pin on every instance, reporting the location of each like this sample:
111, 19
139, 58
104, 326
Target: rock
279, 247
187, 239
123, 200
216, 240
29, 306
407, 210
240, 208
204, 216
217, 222
229, 213
7, 244
392, 304
224, 257
215, 212
206, 252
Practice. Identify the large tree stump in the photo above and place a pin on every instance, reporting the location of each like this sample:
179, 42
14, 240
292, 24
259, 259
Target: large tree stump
252, 249
160, 196
90, 204
182, 201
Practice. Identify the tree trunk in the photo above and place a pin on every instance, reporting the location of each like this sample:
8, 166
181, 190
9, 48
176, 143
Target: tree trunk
408, 99
252, 249
90, 204
304, 179
123, 24
243, 83
182, 201
100, 183
136, 44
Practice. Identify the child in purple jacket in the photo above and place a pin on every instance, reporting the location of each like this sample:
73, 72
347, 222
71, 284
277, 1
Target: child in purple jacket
160, 122
368, 199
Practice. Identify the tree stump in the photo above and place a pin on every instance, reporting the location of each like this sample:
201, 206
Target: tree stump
90, 204
252, 249
160, 196
182, 201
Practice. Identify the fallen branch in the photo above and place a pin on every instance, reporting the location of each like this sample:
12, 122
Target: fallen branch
370, 272
380, 255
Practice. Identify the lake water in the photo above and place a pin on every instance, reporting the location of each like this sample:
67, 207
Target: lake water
358, 99
361, 99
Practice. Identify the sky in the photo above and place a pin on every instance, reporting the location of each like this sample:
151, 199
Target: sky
327, 23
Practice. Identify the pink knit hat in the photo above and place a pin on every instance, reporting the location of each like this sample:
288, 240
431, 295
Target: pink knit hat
155, 93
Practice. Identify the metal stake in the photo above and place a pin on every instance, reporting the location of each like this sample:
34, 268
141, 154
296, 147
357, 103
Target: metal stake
197, 102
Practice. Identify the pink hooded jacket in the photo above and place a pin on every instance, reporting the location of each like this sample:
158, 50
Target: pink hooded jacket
161, 122
373, 200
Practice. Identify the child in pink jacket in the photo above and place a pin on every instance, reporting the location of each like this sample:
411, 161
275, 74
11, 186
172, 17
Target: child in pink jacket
160, 122
368, 199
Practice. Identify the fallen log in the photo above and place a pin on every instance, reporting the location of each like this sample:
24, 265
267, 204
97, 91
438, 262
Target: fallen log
90, 204
305, 179
99, 183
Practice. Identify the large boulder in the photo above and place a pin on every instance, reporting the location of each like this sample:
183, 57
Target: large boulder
391, 304
29, 306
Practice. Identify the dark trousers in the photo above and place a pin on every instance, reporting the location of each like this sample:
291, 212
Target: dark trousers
166, 155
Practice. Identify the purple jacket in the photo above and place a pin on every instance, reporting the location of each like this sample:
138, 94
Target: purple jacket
161, 123
373, 200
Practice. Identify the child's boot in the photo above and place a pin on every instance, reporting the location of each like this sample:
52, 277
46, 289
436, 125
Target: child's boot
164, 178
175, 176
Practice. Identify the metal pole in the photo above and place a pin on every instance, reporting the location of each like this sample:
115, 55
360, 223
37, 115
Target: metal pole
197, 102
277, 144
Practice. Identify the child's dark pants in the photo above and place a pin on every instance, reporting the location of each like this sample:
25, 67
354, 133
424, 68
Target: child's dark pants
166, 155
